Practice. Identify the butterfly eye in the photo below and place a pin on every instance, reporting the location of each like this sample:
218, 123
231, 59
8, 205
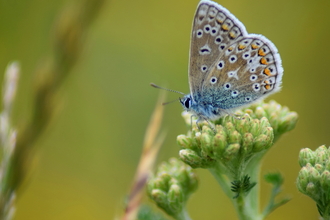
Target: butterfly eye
227, 86
186, 102
213, 80
234, 93
253, 77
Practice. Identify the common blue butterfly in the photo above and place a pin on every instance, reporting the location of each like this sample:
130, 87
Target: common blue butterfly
228, 68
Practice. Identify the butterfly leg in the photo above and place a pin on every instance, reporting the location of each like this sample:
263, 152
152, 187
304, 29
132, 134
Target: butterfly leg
197, 121
210, 124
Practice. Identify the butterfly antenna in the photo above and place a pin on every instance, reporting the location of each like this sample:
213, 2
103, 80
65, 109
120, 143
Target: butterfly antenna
165, 103
170, 90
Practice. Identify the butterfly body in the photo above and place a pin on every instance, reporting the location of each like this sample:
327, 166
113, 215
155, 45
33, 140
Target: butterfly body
228, 68
203, 108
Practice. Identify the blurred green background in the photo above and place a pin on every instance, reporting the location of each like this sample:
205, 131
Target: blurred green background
85, 161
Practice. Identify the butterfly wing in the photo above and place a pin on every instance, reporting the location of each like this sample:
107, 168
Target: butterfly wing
241, 67
208, 40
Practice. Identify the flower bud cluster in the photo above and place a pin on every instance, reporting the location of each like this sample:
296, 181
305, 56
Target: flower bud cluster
172, 185
234, 141
314, 177
280, 117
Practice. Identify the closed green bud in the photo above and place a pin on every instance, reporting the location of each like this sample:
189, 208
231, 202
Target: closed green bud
207, 129
303, 179
248, 111
234, 137
325, 181
274, 120
184, 141
262, 142
206, 144
314, 175
219, 144
269, 132
243, 125
319, 167
306, 155
197, 137
289, 121
260, 112
312, 191
161, 181
160, 197
264, 125
255, 125
229, 127
321, 148
231, 152
187, 179
191, 157
175, 198
322, 155
247, 143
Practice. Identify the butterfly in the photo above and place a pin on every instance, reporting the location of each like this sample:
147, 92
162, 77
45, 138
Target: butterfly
228, 67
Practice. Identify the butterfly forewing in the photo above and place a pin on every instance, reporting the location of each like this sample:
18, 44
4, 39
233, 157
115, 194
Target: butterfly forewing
213, 32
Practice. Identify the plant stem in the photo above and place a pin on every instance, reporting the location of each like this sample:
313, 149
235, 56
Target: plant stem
222, 180
247, 206
183, 215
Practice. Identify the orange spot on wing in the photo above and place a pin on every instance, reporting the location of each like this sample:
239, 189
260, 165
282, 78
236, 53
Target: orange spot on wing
225, 27
232, 35
241, 47
267, 87
263, 61
267, 72
261, 52
253, 46
230, 49
219, 20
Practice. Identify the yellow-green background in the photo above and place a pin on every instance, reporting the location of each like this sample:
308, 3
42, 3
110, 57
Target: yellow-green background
87, 158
